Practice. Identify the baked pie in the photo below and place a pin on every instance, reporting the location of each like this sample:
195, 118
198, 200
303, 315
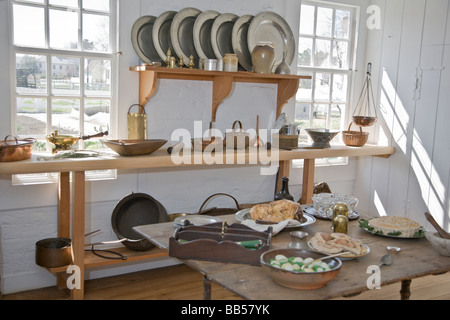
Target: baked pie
276, 211
393, 225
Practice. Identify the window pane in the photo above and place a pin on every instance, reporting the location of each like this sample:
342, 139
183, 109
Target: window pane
33, 1
65, 3
320, 115
98, 77
304, 51
340, 55
304, 92
340, 87
97, 119
29, 26
324, 22
337, 116
99, 5
65, 76
31, 74
31, 116
322, 53
63, 29
95, 32
307, 20
66, 116
322, 90
342, 24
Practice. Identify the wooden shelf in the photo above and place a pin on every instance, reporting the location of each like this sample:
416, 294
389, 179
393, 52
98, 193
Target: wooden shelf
222, 83
92, 261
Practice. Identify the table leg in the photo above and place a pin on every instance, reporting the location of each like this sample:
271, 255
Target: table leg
405, 291
78, 222
308, 181
63, 216
206, 288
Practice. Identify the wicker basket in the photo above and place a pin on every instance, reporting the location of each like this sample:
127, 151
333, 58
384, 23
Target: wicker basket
355, 138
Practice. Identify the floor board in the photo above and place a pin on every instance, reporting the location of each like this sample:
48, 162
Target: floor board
183, 283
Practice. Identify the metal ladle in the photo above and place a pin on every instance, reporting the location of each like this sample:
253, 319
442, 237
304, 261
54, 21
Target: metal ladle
387, 260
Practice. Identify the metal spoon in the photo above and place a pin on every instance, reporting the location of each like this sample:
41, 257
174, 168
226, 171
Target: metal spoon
326, 257
387, 260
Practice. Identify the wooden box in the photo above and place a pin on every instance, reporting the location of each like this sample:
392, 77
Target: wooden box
285, 141
213, 242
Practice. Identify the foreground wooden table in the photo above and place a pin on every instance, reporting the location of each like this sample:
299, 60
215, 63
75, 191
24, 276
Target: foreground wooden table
416, 259
71, 195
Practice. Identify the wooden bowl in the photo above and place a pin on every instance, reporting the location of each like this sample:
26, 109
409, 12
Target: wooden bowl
296, 279
135, 147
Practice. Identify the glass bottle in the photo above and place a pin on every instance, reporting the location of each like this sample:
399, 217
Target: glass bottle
284, 192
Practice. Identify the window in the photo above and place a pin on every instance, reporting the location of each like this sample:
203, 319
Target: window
326, 48
63, 69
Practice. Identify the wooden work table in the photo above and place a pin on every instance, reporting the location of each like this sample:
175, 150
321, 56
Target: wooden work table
71, 195
417, 258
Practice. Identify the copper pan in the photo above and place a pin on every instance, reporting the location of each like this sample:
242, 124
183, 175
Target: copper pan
15, 150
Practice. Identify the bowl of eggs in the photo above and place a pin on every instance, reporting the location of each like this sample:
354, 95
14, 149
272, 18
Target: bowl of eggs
296, 268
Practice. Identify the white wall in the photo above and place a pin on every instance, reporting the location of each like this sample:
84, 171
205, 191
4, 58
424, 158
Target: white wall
414, 36
28, 213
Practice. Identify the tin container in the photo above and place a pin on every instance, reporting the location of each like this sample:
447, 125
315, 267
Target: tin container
219, 66
340, 224
137, 124
210, 64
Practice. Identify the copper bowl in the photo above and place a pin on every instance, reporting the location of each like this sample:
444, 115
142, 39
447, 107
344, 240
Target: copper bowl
297, 279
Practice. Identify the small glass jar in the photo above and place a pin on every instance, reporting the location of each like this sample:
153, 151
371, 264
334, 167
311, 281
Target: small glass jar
230, 62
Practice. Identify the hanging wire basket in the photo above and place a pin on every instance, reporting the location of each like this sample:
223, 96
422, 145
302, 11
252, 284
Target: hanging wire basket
365, 113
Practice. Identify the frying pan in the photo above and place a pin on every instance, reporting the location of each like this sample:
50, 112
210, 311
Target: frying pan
134, 210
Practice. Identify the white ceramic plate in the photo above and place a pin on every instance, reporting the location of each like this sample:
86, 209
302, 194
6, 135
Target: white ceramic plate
161, 34
182, 34
195, 219
142, 39
244, 214
239, 41
221, 34
202, 34
270, 27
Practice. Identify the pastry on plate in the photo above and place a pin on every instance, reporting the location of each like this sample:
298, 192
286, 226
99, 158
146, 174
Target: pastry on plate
400, 226
276, 211
336, 243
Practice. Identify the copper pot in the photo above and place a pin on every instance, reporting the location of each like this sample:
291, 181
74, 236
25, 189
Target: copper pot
15, 150
53, 252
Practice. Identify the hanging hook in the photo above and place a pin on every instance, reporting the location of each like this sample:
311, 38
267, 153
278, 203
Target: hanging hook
369, 69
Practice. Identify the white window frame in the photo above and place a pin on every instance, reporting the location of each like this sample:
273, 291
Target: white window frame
353, 38
80, 54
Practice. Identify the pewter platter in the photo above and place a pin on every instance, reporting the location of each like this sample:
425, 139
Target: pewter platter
270, 27
221, 34
161, 34
239, 41
197, 220
141, 38
202, 34
182, 34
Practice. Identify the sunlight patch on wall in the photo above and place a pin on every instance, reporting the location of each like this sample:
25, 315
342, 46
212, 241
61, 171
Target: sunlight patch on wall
379, 205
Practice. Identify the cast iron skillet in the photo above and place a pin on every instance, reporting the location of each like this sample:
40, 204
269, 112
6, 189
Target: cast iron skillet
134, 210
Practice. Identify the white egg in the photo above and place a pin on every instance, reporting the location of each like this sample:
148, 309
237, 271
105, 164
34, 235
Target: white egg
308, 260
280, 257
287, 266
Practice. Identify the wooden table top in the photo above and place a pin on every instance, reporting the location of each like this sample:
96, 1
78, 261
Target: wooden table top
417, 258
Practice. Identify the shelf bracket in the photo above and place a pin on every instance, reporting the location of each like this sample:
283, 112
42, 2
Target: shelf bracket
222, 86
287, 89
147, 86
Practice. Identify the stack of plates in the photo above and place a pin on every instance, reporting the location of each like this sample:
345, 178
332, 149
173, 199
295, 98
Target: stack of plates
210, 35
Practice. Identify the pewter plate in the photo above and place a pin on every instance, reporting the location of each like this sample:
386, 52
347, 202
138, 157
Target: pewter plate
270, 27
161, 34
221, 34
202, 34
182, 34
197, 220
239, 41
142, 40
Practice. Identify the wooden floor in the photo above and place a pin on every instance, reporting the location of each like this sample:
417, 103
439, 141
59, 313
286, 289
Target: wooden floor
183, 283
